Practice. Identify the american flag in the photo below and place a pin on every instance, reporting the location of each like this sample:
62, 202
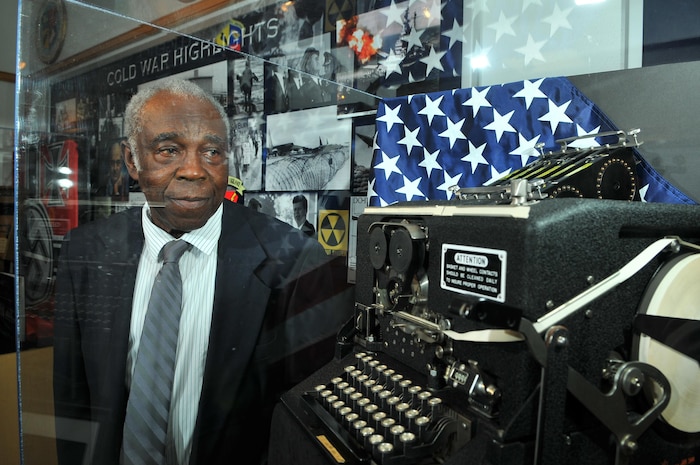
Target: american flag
427, 143
509, 40
489, 41
407, 41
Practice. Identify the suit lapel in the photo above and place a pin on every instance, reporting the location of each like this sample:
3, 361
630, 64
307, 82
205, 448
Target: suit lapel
111, 260
130, 252
236, 321
124, 266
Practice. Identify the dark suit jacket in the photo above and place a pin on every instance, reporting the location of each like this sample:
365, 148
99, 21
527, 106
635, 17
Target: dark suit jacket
276, 95
273, 324
308, 229
313, 94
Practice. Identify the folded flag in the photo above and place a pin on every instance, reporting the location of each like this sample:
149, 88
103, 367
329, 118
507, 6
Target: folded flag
428, 143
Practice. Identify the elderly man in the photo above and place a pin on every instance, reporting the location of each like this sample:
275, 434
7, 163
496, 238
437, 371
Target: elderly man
254, 294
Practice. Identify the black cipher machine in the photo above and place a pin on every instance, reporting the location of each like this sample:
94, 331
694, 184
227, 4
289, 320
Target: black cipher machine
523, 330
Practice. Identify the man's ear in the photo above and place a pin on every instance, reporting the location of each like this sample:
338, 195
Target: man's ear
129, 161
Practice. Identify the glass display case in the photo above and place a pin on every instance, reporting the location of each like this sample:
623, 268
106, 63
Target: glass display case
304, 85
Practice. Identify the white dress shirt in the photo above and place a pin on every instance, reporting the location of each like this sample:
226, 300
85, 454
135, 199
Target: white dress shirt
198, 271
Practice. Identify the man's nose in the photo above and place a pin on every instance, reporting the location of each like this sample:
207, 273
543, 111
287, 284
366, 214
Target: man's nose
191, 166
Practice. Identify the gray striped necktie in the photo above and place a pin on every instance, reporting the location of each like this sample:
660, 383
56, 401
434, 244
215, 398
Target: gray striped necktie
146, 423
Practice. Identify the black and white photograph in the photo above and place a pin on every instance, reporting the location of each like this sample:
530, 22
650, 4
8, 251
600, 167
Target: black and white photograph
338, 71
276, 85
396, 49
308, 150
212, 78
111, 115
114, 180
66, 116
248, 93
299, 209
308, 86
309, 80
246, 150
300, 24
363, 149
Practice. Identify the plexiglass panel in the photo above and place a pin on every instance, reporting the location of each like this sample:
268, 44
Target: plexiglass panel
300, 82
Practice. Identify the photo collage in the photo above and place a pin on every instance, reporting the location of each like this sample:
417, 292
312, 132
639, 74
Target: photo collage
300, 85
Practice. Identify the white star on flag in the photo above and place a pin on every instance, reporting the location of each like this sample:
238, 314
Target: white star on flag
456, 34
556, 115
430, 161
393, 14
478, 100
410, 139
370, 188
503, 26
526, 148
388, 165
450, 181
500, 124
531, 50
643, 193
558, 20
413, 39
391, 117
531, 91
475, 156
433, 61
432, 108
410, 188
391, 63
478, 6
453, 131
371, 193
585, 142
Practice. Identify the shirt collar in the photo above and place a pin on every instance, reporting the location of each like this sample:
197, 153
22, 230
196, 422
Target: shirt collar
204, 239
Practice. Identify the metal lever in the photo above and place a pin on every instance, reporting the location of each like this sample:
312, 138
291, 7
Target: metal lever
610, 408
622, 140
623, 274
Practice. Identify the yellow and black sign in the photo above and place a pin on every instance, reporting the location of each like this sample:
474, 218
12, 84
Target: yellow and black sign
333, 229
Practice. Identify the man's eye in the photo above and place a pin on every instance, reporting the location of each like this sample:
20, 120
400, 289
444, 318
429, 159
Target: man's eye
167, 151
213, 154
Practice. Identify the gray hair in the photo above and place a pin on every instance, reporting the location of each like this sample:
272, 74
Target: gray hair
133, 123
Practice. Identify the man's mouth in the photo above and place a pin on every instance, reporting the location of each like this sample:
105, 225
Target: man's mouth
190, 203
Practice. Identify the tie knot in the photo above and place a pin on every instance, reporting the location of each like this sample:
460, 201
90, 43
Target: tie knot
173, 250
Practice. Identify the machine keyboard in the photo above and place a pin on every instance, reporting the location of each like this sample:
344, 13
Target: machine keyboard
374, 413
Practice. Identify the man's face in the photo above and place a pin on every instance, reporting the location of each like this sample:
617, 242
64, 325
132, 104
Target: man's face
299, 212
314, 66
116, 161
183, 166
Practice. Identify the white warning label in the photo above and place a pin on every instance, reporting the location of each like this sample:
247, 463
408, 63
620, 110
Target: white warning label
474, 270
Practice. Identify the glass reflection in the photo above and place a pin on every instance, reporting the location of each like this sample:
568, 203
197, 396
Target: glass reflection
299, 80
